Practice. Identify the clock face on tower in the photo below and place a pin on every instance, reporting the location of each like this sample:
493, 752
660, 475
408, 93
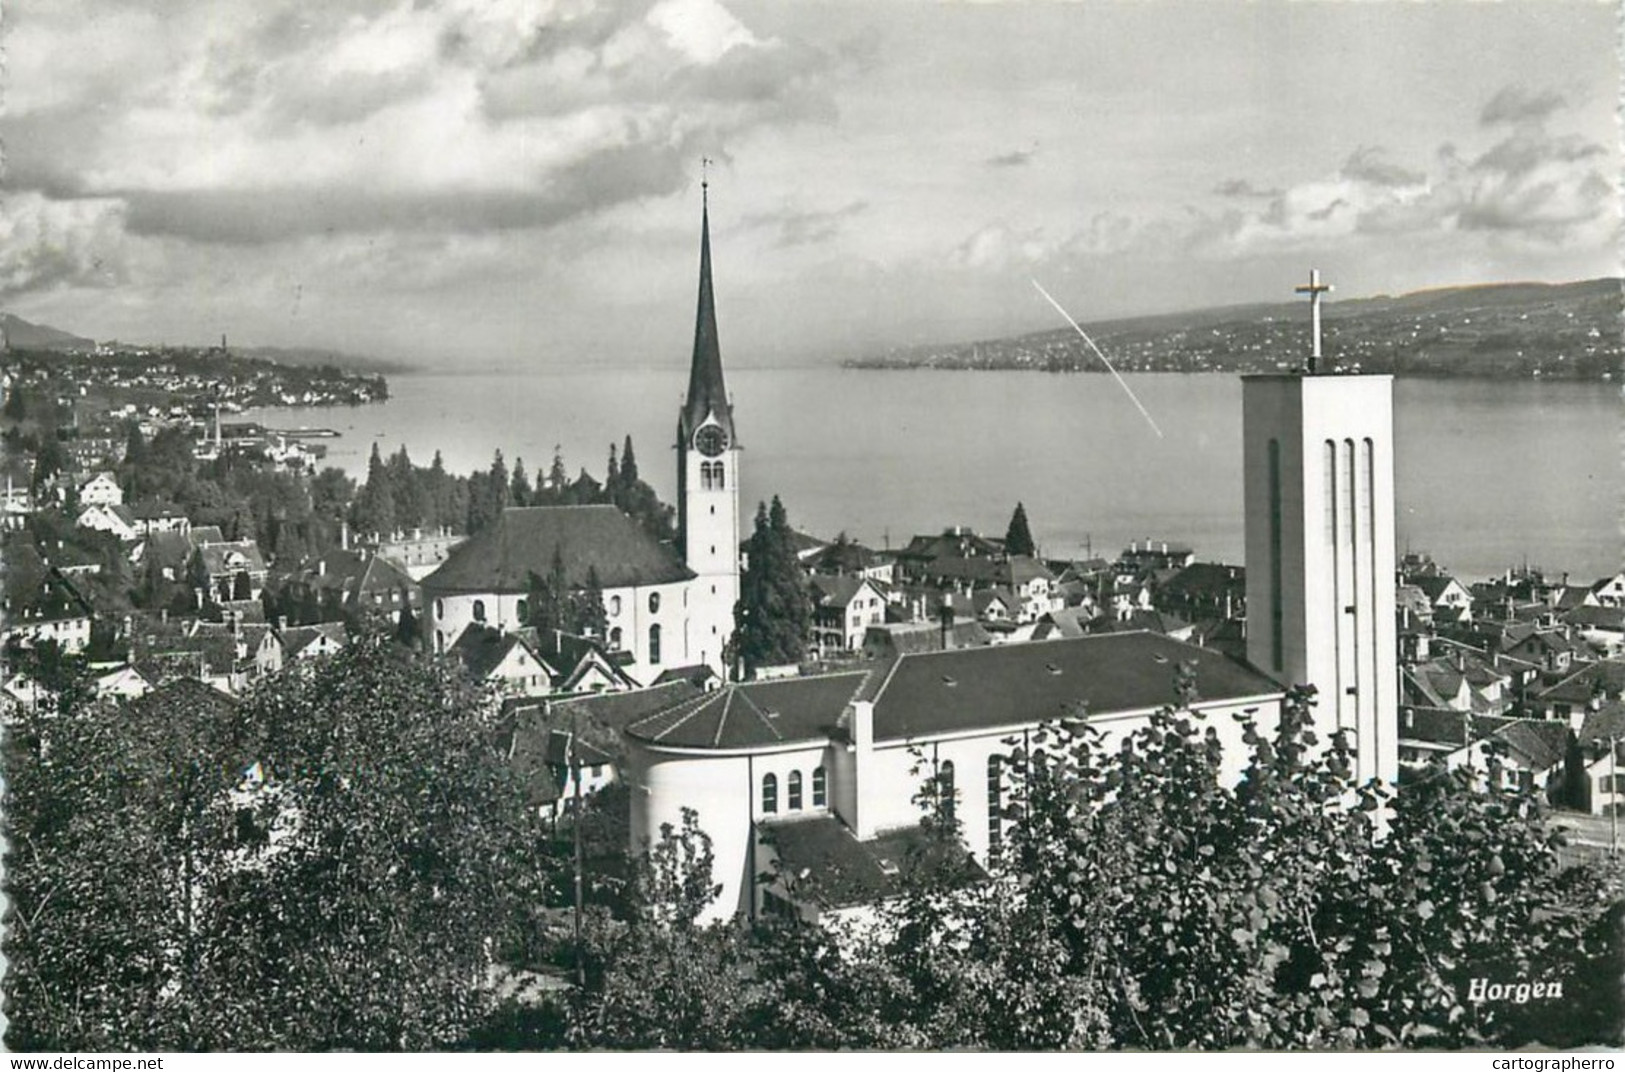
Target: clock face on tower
711, 441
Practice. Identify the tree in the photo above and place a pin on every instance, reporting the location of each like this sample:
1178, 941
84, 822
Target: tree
323, 866
774, 615
1018, 538
520, 492
629, 464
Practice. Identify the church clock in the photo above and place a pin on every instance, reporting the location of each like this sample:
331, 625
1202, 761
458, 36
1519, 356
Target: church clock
711, 440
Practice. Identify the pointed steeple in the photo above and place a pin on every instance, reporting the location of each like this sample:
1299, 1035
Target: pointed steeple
706, 391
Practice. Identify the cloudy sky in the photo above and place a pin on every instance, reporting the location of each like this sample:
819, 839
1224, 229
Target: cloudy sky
471, 183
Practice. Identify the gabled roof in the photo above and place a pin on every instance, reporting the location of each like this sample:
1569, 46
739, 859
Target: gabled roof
1023, 568
220, 557
1605, 723
754, 714
1206, 580
699, 675
296, 638
501, 557
1017, 684
482, 649
1608, 675
836, 590
1609, 618
202, 534
1434, 586
1540, 741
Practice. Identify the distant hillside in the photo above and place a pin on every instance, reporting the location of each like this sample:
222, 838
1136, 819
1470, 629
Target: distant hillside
25, 336
1561, 331
22, 335
304, 358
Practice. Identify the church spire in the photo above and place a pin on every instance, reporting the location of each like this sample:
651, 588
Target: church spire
706, 391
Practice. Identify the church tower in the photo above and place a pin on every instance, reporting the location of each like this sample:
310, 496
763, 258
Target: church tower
1318, 452
708, 479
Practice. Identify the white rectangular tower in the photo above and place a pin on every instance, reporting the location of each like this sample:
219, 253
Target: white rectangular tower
1319, 472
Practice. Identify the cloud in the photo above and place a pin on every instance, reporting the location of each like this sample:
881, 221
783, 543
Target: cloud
1014, 158
258, 122
800, 228
46, 244
1519, 104
1369, 164
1244, 188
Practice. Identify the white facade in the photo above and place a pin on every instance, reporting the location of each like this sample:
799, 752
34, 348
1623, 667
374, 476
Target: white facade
709, 507
1319, 473
101, 490
653, 622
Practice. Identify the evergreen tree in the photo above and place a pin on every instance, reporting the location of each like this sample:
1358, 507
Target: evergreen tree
1018, 538
557, 478
774, 616
407, 631
520, 492
587, 607
629, 464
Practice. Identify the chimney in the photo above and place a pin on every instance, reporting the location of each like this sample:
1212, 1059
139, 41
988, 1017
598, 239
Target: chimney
862, 730
281, 623
344, 534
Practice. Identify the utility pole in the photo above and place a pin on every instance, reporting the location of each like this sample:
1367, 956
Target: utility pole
1613, 803
575, 775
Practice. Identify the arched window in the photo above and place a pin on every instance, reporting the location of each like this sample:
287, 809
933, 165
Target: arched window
439, 608
716, 475
654, 644
945, 787
615, 639
523, 611
479, 610
614, 605
705, 476
794, 791
770, 794
995, 802
654, 602
820, 793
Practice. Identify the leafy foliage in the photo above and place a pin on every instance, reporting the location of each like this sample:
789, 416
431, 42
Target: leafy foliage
342, 894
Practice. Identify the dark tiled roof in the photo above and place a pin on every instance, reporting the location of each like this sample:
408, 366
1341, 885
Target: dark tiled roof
297, 638
1206, 580
1014, 684
824, 864
1433, 587
482, 649
1541, 741
1022, 568
1606, 722
834, 591
1610, 618
502, 557
618, 710
216, 557
1578, 687
758, 713
202, 534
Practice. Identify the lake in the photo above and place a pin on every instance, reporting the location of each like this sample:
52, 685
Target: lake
1490, 473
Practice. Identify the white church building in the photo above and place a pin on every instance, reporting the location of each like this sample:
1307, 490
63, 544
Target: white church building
664, 607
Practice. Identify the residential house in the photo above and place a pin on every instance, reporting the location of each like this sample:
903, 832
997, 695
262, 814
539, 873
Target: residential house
1602, 747
846, 558
1610, 591
587, 665
1154, 557
1582, 691
420, 553
117, 520
1448, 597
352, 582
1601, 627
57, 611
507, 661
844, 607
1204, 591
312, 641
154, 516
100, 489
227, 570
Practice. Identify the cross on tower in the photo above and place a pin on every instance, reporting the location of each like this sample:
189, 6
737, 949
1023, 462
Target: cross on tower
1315, 289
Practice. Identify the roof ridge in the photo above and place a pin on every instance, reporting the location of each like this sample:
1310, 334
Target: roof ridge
722, 722
761, 716
697, 703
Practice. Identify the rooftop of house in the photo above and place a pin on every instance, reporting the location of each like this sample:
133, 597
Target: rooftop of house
525, 540
823, 863
296, 638
482, 649
1206, 580
228, 557
1606, 676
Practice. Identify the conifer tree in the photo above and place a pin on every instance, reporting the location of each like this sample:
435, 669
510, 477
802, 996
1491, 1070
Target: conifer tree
612, 476
519, 489
774, 615
1018, 538
629, 464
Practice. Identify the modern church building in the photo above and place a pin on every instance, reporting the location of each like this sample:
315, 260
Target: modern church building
816, 779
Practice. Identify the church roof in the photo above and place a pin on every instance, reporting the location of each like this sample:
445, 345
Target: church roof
1013, 684
707, 394
754, 714
501, 557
